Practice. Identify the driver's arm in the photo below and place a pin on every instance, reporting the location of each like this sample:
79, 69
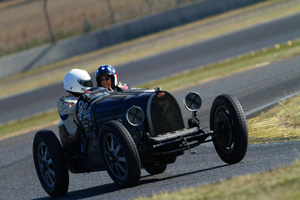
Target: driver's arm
66, 106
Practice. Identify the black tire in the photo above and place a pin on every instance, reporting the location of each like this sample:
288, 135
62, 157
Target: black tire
120, 154
228, 119
154, 169
50, 163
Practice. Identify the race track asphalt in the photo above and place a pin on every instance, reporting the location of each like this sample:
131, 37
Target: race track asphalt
253, 88
165, 64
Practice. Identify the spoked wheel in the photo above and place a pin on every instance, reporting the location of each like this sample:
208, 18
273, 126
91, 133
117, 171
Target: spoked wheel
120, 154
50, 163
155, 168
228, 120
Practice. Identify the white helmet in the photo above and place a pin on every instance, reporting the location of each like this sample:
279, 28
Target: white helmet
77, 81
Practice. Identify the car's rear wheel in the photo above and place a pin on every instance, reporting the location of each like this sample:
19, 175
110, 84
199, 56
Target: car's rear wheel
120, 154
155, 168
50, 163
228, 120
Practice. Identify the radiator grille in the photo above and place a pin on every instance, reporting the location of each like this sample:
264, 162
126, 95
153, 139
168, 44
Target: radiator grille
165, 114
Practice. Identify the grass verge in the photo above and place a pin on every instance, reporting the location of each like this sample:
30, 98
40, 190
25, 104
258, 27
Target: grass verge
201, 74
228, 66
278, 124
27, 124
153, 44
282, 183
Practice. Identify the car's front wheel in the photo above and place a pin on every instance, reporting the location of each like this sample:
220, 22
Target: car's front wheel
228, 120
50, 163
120, 154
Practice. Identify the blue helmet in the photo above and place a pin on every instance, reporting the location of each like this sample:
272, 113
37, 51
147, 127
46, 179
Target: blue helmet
106, 70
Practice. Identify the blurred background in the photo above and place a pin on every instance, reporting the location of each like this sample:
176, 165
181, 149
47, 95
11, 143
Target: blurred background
29, 23
251, 52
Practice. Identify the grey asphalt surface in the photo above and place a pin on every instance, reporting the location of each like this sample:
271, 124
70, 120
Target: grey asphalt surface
18, 179
253, 88
165, 64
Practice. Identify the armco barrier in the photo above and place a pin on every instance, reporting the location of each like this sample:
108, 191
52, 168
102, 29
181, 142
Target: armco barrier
66, 48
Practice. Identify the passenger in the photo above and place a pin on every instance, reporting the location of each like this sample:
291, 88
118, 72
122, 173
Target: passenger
106, 76
76, 82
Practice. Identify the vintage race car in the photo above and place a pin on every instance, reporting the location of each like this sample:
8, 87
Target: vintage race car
123, 132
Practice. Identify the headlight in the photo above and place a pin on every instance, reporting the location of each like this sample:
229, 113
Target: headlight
135, 116
192, 101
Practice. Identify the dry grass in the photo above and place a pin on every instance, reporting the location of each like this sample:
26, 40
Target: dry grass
222, 68
289, 116
273, 126
282, 183
152, 44
25, 24
173, 38
279, 124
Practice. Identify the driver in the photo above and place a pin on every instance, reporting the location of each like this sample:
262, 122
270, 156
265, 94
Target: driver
106, 76
76, 82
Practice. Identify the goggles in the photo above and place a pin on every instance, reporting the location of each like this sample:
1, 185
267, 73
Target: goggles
106, 79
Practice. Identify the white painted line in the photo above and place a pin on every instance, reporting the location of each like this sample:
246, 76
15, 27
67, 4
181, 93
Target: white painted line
260, 108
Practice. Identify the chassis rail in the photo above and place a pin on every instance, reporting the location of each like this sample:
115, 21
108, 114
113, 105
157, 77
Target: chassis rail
185, 139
